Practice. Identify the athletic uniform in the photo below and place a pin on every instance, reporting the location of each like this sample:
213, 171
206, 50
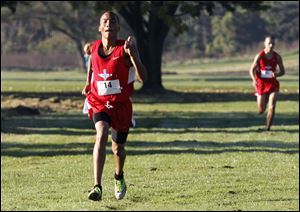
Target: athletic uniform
111, 88
266, 81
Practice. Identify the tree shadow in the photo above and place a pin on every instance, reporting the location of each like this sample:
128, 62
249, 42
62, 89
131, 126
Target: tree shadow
213, 144
169, 96
206, 152
208, 131
42, 95
17, 149
211, 147
166, 96
216, 120
43, 80
204, 122
66, 124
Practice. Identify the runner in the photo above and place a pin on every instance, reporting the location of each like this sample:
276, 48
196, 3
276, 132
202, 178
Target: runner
109, 98
264, 78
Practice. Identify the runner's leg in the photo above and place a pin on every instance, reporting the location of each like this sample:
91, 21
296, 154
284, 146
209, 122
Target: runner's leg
261, 103
271, 109
99, 153
118, 147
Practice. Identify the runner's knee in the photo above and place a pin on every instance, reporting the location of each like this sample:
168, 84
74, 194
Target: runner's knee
118, 150
271, 107
102, 133
120, 137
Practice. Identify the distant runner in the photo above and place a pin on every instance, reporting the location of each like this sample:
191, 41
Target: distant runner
264, 78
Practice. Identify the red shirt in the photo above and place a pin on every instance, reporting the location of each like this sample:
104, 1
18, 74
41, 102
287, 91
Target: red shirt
267, 64
110, 75
266, 79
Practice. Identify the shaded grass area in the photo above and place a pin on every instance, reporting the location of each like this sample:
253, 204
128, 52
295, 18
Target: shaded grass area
168, 96
165, 131
140, 148
48, 164
61, 124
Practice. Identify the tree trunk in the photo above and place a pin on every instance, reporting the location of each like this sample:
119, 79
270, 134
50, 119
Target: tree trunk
151, 55
81, 54
150, 36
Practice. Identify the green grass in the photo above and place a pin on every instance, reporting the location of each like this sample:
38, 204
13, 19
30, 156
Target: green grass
176, 160
241, 64
33, 81
209, 76
196, 147
74, 81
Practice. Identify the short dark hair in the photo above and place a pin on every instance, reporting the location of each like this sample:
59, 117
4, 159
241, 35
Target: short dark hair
113, 14
272, 37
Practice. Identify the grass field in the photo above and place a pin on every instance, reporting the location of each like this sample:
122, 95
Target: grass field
196, 147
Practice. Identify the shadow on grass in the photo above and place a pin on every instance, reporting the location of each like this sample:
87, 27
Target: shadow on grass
79, 124
169, 96
214, 130
203, 122
166, 96
214, 120
210, 147
17, 149
55, 124
42, 95
42, 80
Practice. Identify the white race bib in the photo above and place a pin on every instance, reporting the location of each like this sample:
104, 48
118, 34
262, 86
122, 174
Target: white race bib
266, 74
108, 87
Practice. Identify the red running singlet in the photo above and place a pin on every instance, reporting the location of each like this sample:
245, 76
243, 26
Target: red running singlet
111, 87
265, 76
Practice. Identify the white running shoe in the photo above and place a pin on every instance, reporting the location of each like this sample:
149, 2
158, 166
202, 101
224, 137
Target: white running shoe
120, 189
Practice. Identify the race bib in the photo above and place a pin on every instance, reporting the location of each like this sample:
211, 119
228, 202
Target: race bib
108, 87
266, 74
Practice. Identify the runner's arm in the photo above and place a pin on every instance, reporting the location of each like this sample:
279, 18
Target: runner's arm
131, 51
87, 87
253, 68
281, 67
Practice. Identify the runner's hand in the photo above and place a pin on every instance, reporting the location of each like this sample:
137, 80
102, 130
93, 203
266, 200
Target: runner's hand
86, 90
129, 47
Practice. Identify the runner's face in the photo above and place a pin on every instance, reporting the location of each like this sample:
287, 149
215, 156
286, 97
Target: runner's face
269, 44
109, 26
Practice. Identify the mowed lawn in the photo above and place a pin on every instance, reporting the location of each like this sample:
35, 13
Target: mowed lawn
198, 146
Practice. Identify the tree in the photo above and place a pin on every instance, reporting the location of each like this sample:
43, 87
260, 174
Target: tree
151, 21
12, 5
282, 20
79, 25
232, 32
224, 34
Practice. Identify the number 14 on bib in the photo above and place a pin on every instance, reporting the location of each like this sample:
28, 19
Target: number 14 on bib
108, 87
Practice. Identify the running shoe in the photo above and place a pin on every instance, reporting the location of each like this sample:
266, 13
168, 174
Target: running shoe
120, 189
95, 193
